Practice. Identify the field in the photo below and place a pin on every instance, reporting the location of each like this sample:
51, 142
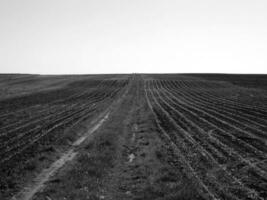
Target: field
135, 136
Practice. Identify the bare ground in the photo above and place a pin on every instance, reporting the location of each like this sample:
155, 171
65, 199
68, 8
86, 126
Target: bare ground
138, 146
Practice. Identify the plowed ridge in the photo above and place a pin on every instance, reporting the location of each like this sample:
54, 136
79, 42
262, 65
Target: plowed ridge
221, 141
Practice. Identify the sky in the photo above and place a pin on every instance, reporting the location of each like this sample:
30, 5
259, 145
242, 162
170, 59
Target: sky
133, 36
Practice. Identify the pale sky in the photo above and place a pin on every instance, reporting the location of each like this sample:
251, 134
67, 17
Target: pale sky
125, 36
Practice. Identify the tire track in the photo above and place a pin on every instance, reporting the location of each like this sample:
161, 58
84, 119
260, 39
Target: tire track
46, 174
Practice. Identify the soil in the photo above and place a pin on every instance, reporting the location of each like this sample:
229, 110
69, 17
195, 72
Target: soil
154, 140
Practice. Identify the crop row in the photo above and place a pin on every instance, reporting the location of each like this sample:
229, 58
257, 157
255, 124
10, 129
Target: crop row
209, 142
20, 118
20, 135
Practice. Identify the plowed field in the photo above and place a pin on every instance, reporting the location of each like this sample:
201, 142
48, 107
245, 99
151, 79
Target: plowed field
139, 136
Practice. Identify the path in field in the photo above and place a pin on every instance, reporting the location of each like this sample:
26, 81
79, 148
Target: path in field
126, 159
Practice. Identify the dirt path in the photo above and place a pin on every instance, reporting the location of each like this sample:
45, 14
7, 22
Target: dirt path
126, 159
146, 167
